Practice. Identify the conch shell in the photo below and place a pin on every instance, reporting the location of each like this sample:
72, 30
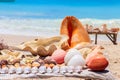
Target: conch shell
74, 29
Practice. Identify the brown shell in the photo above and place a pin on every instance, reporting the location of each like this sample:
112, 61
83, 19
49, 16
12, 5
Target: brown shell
41, 51
51, 49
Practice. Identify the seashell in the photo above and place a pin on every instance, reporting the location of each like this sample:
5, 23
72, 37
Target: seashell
17, 64
12, 70
74, 29
85, 52
49, 60
70, 69
19, 70
27, 70
47, 65
40, 61
4, 70
70, 54
34, 44
73, 58
3, 62
97, 61
51, 65
49, 70
76, 60
63, 69
51, 49
59, 55
35, 64
34, 70
42, 69
77, 69
65, 46
14, 61
41, 51
56, 69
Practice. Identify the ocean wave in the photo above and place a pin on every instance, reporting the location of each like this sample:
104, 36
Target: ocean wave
45, 26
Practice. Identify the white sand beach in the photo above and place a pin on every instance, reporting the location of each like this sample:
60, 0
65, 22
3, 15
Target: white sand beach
113, 52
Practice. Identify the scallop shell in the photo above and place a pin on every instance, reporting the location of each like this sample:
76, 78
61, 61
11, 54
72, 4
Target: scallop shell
63, 69
27, 70
56, 69
4, 70
42, 69
12, 70
70, 69
19, 70
34, 70
49, 70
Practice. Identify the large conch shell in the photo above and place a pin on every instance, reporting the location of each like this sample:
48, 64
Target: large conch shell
74, 29
43, 45
74, 58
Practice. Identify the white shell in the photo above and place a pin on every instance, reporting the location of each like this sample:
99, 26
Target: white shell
12, 70
70, 54
70, 69
34, 70
78, 69
49, 70
56, 69
63, 69
27, 70
76, 60
19, 70
42, 69
4, 70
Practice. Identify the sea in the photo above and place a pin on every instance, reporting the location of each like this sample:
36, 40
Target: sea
48, 27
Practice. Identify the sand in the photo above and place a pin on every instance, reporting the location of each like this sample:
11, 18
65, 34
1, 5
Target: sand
113, 53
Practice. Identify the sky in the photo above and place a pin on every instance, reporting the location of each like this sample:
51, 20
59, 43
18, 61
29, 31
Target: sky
55, 9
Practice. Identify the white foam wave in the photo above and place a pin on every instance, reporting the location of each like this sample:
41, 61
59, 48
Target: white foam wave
43, 27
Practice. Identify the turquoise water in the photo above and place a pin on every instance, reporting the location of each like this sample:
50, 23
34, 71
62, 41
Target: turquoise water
57, 9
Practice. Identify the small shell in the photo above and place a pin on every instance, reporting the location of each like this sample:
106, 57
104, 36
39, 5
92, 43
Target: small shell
78, 69
56, 69
4, 70
34, 70
70, 69
27, 70
35, 64
42, 69
19, 70
63, 69
51, 49
49, 70
12, 70
41, 51
3, 62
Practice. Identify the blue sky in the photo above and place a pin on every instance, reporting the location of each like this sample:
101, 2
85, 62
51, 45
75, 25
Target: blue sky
100, 9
